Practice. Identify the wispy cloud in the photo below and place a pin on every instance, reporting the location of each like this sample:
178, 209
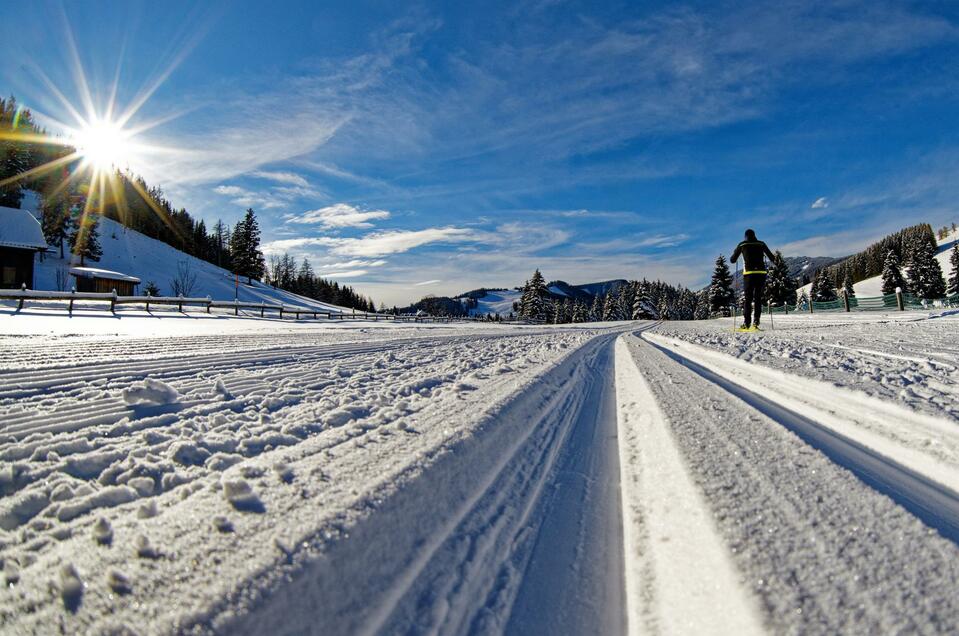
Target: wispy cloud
428, 282
820, 203
281, 177
340, 215
375, 244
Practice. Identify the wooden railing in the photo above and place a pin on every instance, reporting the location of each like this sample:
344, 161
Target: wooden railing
112, 300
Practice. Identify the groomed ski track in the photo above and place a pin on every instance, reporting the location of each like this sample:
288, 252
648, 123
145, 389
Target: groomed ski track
546, 481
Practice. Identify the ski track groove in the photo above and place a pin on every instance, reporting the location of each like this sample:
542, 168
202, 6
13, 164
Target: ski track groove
800, 525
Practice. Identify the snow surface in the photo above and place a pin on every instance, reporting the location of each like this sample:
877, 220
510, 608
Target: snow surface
496, 302
133, 254
249, 476
19, 228
872, 287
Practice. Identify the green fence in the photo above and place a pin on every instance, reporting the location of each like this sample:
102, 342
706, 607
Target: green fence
889, 302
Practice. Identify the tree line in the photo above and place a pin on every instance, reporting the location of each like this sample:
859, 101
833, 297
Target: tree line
633, 300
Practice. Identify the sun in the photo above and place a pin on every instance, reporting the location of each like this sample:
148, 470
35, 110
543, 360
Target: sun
104, 145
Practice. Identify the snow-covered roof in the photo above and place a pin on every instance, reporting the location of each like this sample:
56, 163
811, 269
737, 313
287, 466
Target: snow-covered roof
19, 228
93, 272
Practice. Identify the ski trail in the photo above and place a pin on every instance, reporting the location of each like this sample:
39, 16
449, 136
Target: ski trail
894, 471
574, 580
923, 444
679, 576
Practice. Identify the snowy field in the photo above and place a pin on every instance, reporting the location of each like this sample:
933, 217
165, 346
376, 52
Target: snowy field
217, 475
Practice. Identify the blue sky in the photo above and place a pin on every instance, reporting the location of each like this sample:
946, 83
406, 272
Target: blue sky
413, 148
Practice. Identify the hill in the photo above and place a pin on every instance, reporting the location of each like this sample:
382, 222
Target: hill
129, 252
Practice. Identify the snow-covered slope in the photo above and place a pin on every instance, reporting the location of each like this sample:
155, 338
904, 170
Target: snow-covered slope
129, 252
496, 302
873, 286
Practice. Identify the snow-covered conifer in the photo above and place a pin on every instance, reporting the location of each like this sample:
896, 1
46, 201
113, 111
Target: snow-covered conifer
721, 286
892, 274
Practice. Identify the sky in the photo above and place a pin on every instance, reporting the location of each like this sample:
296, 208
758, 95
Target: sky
436, 147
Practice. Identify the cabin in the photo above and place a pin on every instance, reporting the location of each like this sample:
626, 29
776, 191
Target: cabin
21, 237
91, 279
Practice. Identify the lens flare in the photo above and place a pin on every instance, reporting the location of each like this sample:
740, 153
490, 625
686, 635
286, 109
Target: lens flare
103, 144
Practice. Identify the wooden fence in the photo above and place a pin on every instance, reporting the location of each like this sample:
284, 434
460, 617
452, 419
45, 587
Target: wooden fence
112, 300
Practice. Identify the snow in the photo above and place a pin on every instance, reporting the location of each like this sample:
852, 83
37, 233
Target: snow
93, 272
19, 228
872, 287
212, 474
496, 303
138, 256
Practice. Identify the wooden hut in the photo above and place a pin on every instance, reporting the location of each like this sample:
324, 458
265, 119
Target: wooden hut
91, 279
21, 237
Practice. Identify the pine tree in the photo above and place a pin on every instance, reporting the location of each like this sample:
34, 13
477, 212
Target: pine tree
85, 241
892, 274
827, 288
611, 308
847, 287
925, 273
780, 286
721, 286
954, 272
535, 300
642, 303
702, 305
596, 309
245, 248
664, 313
814, 287
57, 223
580, 311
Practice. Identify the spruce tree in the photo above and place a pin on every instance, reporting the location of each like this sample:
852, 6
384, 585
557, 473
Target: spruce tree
85, 241
663, 311
779, 282
814, 287
702, 305
827, 287
596, 309
892, 274
611, 308
580, 311
57, 223
245, 248
642, 303
721, 286
535, 303
954, 272
847, 287
925, 273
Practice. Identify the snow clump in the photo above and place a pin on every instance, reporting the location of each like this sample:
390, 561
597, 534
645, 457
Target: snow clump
151, 391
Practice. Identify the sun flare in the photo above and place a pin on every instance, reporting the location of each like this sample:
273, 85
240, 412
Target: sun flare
104, 145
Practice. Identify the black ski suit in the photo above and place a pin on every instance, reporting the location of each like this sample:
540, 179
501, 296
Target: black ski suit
754, 277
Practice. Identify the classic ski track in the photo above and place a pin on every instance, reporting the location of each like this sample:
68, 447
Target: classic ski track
542, 457
898, 436
799, 524
680, 577
465, 586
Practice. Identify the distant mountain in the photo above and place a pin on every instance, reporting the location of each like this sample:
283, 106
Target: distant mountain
482, 301
799, 265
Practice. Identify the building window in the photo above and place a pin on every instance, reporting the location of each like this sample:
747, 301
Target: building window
9, 275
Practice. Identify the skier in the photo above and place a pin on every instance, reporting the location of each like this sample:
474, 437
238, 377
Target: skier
754, 278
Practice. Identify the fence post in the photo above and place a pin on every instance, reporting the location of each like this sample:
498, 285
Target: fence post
236, 306
148, 302
209, 303
23, 292
899, 301
845, 300
180, 304
810, 304
262, 310
73, 290
113, 301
